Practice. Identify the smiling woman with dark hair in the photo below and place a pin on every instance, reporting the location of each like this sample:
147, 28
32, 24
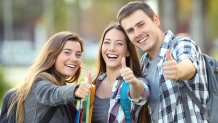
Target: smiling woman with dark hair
58, 63
118, 67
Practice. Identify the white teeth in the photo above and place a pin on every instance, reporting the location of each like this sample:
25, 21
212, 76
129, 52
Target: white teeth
112, 55
72, 66
143, 39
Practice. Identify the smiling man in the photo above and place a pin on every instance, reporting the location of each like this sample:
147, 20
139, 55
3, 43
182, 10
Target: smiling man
166, 60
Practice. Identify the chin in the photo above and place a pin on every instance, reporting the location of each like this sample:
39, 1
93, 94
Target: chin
70, 74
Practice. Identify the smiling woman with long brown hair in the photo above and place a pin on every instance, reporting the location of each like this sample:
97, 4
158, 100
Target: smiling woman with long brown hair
118, 67
45, 85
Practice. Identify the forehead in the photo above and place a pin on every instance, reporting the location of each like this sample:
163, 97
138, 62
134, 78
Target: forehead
114, 34
72, 45
134, 18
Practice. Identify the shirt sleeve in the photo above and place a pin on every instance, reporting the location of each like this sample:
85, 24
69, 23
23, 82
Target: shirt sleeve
144, 97
50, 94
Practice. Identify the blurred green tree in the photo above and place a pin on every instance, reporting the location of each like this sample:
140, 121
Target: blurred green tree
212, 17
3, 85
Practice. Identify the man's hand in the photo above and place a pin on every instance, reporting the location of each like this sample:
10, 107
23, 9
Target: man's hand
170, 67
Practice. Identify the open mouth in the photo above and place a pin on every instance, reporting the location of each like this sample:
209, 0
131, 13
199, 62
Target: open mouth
71, 66
112, 56
143, 39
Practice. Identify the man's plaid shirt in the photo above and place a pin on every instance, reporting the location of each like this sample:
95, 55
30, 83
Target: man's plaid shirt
171, 107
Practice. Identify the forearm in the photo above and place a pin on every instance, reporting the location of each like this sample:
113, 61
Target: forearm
136, 89
186, 70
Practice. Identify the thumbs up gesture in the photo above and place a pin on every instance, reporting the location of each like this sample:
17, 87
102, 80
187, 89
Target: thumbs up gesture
127, 73
85, 87
170, 67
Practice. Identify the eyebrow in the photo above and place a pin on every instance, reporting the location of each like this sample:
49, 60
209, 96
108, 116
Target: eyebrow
67, 49
139, 22
135, 25
115, 40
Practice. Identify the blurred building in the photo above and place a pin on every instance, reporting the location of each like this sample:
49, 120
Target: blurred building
26, 24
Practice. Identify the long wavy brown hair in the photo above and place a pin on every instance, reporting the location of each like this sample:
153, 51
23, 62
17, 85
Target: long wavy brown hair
132, 61
43, 67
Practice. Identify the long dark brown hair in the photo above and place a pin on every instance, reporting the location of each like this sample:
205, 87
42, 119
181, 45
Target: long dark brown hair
132, 60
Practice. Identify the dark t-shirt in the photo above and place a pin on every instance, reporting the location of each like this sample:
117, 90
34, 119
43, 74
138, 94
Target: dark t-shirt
100, 110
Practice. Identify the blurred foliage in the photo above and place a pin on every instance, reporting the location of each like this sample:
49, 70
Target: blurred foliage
60, 16
184, 14
212, 16
3, 85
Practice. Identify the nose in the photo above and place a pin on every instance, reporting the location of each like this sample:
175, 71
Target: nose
138, 33
111, 47
74, 58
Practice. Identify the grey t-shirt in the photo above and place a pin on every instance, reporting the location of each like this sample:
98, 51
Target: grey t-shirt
100, 110
153, 79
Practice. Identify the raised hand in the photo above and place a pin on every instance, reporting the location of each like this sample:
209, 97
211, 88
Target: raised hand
127, 73
170, 67
85, 87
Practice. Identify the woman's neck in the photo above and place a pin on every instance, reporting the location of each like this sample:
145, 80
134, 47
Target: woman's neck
112, 75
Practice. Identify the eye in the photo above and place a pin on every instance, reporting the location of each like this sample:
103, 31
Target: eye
141, 24
78, 54
129, 31
106, 42
67, 52
120, 43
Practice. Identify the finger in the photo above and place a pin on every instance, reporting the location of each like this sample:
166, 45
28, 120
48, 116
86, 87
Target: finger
89, 77
168, 55
123, 62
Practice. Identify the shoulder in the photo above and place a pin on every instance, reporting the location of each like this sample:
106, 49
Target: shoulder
185, 42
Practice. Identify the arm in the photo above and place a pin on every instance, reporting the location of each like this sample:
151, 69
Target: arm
136, 89
51, 94
184, 70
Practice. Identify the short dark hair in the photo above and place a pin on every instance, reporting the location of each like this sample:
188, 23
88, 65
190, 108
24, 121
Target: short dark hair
131, 7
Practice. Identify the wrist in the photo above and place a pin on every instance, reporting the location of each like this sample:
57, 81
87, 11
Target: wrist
75, 93
133, 82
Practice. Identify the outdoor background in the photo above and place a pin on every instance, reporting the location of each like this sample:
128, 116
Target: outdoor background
26, 24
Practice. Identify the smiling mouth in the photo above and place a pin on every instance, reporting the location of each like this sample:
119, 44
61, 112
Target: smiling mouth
112, 56
143, 39
71, 66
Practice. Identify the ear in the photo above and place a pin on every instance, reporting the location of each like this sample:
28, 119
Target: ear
156, 20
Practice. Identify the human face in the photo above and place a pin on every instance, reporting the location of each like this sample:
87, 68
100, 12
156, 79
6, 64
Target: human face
114, 47
69, 60
142, 31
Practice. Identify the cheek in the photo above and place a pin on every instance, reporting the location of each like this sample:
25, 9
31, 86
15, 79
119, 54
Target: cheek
79, 61
131, 37
103, 48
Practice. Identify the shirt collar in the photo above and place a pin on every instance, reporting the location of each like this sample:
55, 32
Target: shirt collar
165, 45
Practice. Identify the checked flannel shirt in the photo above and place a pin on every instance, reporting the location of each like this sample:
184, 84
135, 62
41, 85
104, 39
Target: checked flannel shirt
171, 107
115, 113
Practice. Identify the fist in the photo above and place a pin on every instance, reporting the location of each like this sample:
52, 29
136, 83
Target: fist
84, 88
127, 73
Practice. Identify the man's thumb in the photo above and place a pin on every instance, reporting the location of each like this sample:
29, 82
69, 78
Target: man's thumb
168, 55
